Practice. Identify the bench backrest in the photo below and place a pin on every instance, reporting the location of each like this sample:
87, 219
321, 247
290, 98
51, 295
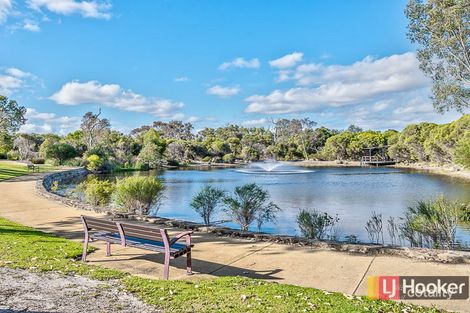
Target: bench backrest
144, 232
98, 224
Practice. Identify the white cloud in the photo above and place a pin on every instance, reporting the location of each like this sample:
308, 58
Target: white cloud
255, 123
181, 79
5, 10
13, 79
31, 26
342, 85
113, 95
89, 9
223, 92
287, 61
40, 122
240, 63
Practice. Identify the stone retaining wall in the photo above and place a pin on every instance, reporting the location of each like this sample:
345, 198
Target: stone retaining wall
43, 188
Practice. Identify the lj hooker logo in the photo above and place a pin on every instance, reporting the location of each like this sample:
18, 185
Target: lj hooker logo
418, 287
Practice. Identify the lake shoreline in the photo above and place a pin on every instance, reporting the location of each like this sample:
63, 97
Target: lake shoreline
450, 170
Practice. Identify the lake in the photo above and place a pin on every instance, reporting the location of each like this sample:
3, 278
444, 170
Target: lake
352, 193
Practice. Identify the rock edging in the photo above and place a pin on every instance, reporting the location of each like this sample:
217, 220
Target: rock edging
43, 188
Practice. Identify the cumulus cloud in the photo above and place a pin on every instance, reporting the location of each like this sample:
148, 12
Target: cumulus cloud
13, 79
331, 86
223, 92
113, 95
240, 63
5, 10
287, 61
89, 9
40, 122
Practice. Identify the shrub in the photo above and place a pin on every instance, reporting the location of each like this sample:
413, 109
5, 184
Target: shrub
314, 224
137, 194
97, 192
94, 162
250, 203
374, 228
206, 201
462, 152
13, 155
38, 161
228, 158
73, 162
433, 223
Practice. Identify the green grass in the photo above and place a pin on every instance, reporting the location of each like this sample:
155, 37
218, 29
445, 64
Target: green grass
26, 248
9, 169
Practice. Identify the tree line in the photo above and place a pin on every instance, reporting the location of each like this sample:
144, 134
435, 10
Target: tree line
96, 145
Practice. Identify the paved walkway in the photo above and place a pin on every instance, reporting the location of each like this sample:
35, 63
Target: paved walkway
217, 256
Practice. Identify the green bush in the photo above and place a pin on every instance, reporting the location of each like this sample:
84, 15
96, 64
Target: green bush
206, 201
462, 152
250, 203
13, 155
97, 192
137, 194
314, 224
94, 162
432, 224
72, 162
228, 158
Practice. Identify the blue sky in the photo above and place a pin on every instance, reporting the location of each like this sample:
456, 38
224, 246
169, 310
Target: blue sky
212, 62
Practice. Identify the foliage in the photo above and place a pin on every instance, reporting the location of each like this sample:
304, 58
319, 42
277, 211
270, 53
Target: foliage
153, 148
12, 116
56, 150
26, 248
442, 31
138, 194
250, 203
314, 224
94, 162
206, 201
97, 192
374, 228
433, 223
462, 151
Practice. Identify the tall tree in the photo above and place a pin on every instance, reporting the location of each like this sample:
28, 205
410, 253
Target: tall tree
94, 128
174, 130
441, 28
12, 116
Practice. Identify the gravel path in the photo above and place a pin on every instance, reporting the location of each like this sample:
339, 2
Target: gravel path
23, 291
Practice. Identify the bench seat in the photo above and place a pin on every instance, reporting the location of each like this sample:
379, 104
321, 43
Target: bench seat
138, 236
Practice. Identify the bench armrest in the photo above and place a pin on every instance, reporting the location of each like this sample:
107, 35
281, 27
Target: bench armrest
186, 234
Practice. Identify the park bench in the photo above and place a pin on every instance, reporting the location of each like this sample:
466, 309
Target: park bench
138, 236
32, 167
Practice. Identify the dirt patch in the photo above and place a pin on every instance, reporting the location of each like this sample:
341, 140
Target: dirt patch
23, 291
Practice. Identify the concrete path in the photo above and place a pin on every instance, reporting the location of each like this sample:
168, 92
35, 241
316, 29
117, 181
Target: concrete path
217, 256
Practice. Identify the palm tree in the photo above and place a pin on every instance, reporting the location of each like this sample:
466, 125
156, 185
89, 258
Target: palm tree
250, 203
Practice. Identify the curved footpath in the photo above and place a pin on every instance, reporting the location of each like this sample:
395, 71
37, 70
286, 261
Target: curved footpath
221, 256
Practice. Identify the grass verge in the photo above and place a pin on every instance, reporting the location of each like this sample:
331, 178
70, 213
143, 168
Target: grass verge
11, 169
27, 248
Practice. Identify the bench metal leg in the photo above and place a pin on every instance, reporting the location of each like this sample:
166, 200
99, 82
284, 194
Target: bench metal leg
108, 249
85, 247
166, 266
189, 265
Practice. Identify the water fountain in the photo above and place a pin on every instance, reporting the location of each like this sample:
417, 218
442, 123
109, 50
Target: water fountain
272, 167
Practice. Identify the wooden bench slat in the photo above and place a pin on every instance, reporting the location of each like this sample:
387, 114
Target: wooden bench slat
103, 227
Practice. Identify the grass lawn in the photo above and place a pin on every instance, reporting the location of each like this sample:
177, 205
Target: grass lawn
26, 248
10, 169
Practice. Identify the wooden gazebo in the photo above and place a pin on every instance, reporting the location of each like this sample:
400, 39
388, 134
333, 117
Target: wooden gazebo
376, 156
